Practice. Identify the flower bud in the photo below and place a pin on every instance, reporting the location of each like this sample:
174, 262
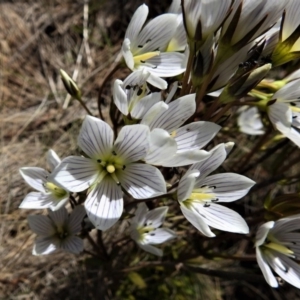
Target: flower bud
241, 84
70, 85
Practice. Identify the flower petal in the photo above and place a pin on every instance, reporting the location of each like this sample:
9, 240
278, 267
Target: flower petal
157, 82
59, 217
280, 115
137, 21
37, 200
155, 35
41, 225
127, 54
132, 143
140, 215
156, 217
167, 64
216, 158
266, 270
44, 245
136, 78
286, 268
262, 233
120, 97
196, 220
228, 187
142, 181
291, 133
222, 218
185, 158
73, 244
52, 159
35, 177
75, 219
178, 41
95, 138
150, 117
195, 135
186, 184
177, 113
59, 203
75, 173
162, 146
151, 249
159, 236
144, 104
104, 204
285, 225
290, 91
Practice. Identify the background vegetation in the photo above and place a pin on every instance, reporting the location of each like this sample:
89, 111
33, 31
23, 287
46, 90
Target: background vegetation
37, 38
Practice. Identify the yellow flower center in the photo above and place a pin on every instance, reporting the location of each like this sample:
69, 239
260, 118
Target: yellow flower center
55, 190
145, 56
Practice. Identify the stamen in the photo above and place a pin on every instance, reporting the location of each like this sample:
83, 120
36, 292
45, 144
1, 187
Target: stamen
279, 248
145, 56
54, 189
115, 178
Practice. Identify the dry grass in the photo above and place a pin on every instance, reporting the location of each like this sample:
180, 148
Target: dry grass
37, 38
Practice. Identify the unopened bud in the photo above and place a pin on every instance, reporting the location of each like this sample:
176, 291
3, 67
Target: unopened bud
242, 84
70, 85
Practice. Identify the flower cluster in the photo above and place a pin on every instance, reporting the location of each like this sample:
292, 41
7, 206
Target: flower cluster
190, 68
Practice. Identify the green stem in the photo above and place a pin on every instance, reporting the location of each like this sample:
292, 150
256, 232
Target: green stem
84, 106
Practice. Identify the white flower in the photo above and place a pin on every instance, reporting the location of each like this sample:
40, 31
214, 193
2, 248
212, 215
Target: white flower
249, 19
277, 243
145, 229
198, 195
249, 121
50, 195
281, 111
178, 41
144, 47
204, 17
111, 167
133, 96
172, 145
57, 231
